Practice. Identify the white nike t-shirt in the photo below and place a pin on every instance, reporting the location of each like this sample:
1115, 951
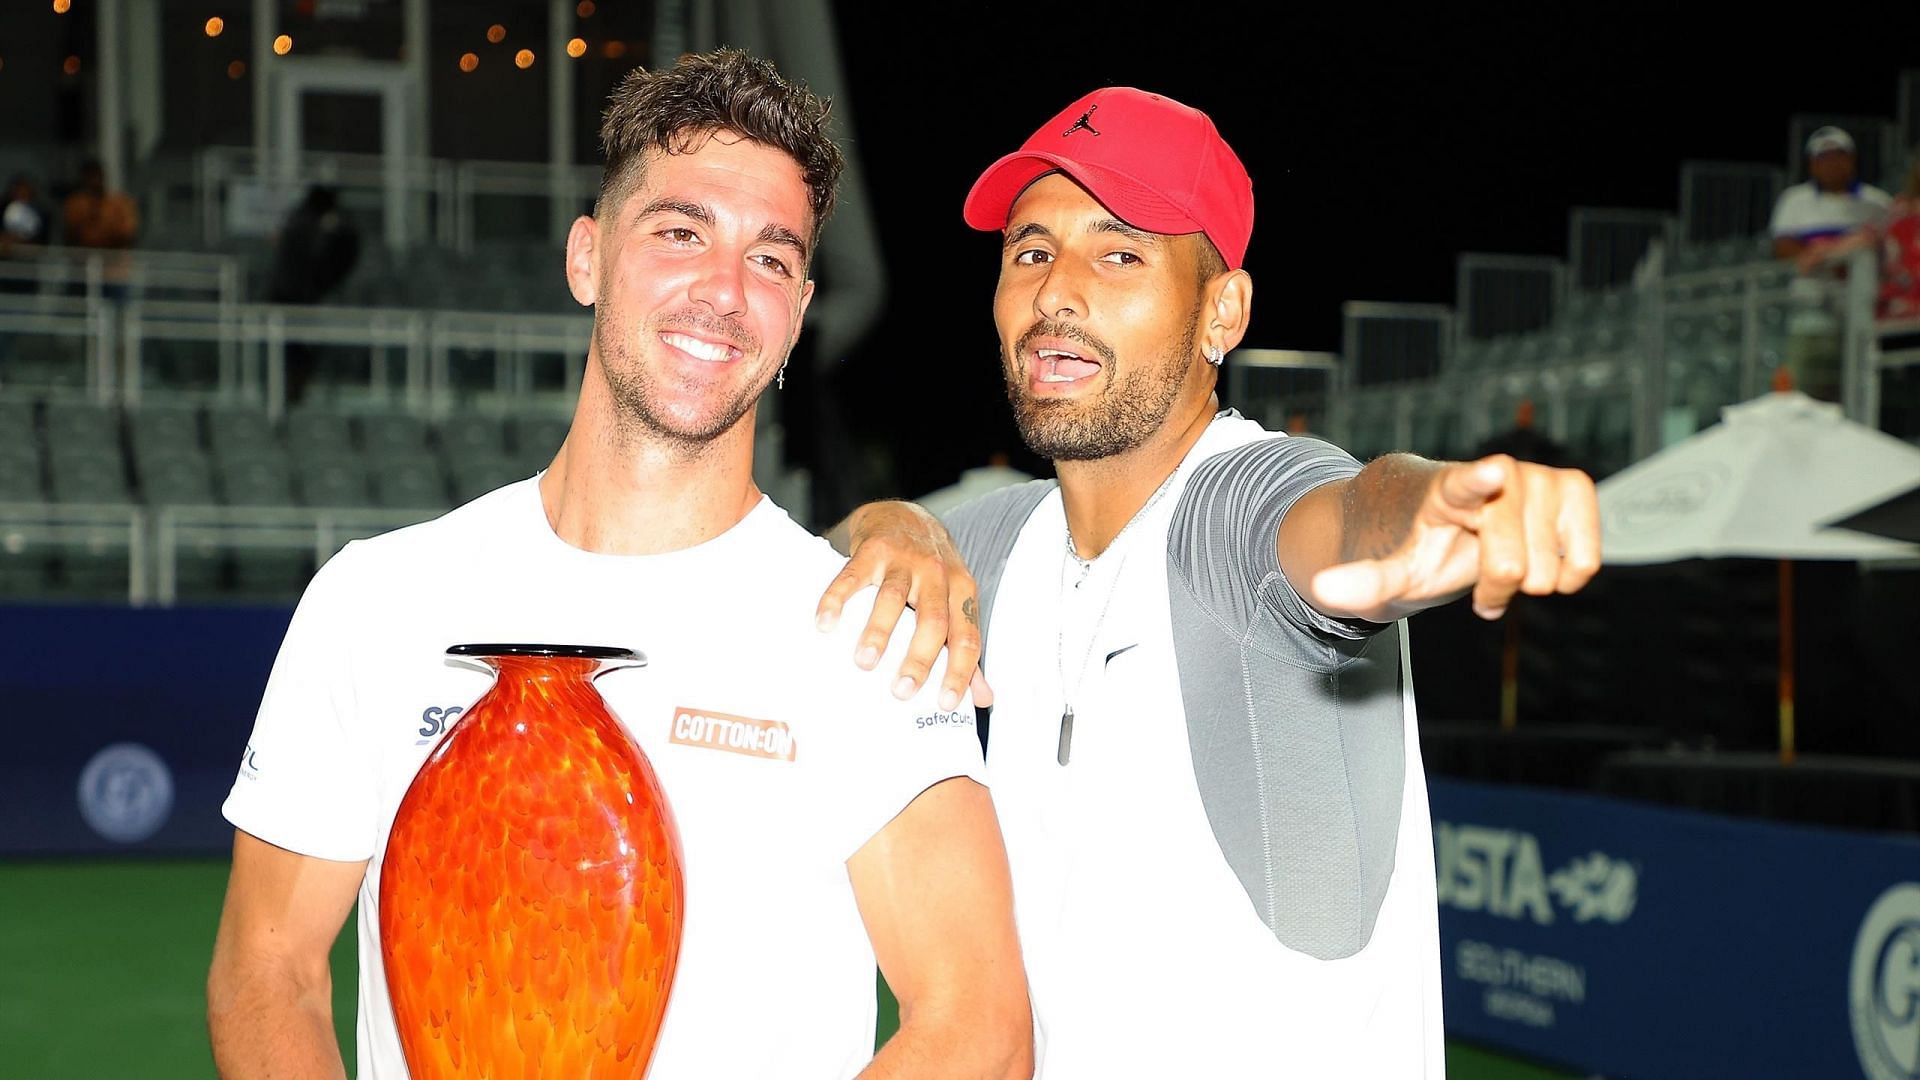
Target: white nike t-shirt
776, 974
1145, 957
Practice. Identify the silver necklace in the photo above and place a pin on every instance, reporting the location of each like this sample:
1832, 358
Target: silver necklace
1065, 749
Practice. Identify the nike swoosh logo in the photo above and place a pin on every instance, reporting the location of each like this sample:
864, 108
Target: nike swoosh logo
1120, 650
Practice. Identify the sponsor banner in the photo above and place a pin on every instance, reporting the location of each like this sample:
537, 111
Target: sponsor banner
124, 728
1628, 940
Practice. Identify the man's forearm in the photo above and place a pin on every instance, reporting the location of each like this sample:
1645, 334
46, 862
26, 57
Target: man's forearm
271, 1025
1378, 508
943, 1049
1362, 518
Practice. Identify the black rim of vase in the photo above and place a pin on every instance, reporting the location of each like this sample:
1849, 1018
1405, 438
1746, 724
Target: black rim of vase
588, 652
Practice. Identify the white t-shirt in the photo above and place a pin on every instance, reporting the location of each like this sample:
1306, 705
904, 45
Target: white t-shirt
776, 974
1806, 213
1144, 956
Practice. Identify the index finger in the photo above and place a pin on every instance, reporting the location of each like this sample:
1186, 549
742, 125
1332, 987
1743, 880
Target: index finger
1502, 532
1469, 485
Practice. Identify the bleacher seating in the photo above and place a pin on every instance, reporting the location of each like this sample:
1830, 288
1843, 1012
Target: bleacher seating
60, 453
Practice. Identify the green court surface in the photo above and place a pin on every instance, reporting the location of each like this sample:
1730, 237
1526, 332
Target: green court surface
103, 964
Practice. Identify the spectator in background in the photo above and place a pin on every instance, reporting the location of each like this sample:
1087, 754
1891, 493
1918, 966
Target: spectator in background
1524, 442
23, 223
315, 251
1898, 238
1808, 218
98, 217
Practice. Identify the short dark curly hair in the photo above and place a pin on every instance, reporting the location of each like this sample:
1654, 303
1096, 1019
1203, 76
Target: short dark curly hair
675, 109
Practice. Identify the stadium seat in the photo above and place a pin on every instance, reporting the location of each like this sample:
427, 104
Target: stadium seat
83, 475
20, 473
390, 435
410, 484
319, 432
174, 478
478, 436
240, 432
536, 438
17, 426
162, 431
95, 566
475, 475
270, 573
256, 480
70, 426
41, 362
331, 479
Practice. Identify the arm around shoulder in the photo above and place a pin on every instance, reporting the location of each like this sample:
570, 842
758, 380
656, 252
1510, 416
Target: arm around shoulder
937, 899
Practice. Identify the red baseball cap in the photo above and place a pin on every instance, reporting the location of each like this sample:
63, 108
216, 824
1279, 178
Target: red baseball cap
1157, 164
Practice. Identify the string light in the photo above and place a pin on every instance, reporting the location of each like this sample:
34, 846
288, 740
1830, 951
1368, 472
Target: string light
576, 48
585, 10
614, 50
72, 66
215, 25
496, 33
468, 61
236, 69
523, 59
60, 8
282, 45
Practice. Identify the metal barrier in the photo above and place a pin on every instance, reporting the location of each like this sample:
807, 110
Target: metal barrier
1507, 294
1385, 343
102, 529
251, 343
151, 539
1605, 245
319, 531
94, 273
1279, 387
1630, 383
237, 192
1720, 200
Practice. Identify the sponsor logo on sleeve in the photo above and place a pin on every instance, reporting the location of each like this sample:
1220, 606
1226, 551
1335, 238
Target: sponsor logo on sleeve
958, 718
711, 730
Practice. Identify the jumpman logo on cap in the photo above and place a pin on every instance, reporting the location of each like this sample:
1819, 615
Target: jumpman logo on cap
1085, 121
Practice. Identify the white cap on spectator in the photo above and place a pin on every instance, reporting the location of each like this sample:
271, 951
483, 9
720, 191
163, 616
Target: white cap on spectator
1828, 139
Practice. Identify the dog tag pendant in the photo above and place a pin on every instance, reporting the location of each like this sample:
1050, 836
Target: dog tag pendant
1066, 736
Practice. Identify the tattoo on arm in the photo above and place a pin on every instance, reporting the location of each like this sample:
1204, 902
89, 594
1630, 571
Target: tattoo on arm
1379, 505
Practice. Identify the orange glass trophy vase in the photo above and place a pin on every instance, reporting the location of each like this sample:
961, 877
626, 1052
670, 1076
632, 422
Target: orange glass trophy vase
531, 897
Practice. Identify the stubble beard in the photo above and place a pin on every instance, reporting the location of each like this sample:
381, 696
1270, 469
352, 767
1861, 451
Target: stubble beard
640, 412
1132, 406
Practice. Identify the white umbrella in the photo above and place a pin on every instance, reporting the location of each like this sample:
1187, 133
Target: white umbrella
1762, 483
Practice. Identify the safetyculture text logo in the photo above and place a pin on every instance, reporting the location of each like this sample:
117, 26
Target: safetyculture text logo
736, 734
1884, 990
1500, 872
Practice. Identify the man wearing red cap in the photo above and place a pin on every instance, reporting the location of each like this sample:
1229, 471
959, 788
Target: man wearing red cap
1203, 749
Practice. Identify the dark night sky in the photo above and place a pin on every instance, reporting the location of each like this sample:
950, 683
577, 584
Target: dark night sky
1381, 145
